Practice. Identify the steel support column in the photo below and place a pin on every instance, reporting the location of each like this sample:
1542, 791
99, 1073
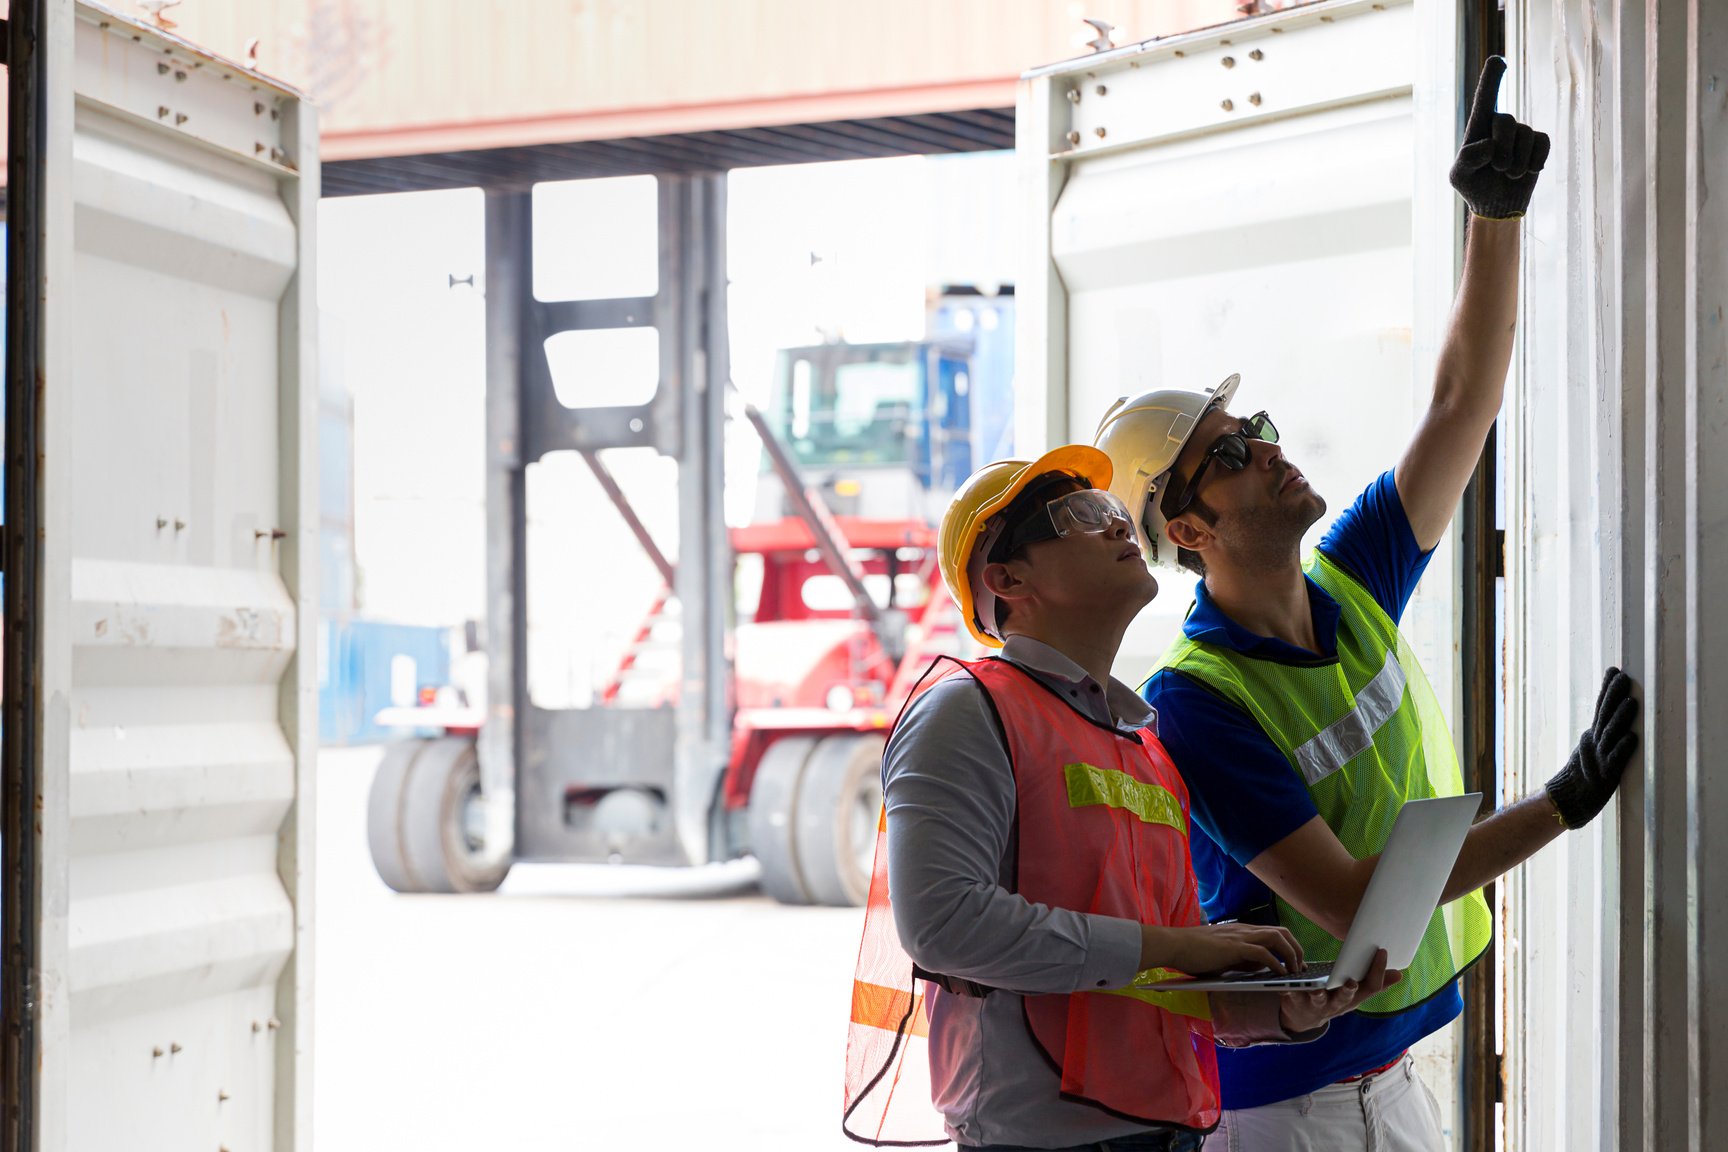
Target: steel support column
532, 758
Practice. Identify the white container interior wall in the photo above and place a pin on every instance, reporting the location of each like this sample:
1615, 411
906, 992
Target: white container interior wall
1237, 252
1617, 553
177, 474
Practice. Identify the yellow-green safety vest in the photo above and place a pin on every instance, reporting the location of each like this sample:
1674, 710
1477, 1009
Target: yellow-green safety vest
1365, 734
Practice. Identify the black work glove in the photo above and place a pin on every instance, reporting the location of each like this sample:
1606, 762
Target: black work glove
1583, 787
1496, 168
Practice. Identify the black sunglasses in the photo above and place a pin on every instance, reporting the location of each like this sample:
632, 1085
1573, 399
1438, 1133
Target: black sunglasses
1232, 453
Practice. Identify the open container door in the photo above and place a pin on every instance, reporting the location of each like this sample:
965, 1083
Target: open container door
161, 563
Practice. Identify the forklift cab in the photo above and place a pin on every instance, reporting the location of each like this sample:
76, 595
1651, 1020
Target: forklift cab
882, 431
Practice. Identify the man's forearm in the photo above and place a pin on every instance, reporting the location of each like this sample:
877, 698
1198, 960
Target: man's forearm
1470, 376
1469, 382
1503, 841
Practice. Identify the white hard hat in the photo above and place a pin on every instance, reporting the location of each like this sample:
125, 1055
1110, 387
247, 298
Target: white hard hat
1143, 435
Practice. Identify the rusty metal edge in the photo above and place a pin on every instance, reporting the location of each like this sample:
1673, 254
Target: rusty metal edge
21, 560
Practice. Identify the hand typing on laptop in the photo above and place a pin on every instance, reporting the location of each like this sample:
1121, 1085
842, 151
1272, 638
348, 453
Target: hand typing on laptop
1211, 948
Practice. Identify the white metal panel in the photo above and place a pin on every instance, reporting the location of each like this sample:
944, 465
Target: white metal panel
1272, 239
1616, 554
181, 517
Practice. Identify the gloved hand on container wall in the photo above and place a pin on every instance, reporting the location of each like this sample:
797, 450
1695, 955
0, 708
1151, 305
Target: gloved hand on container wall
1496, 168
1584, 786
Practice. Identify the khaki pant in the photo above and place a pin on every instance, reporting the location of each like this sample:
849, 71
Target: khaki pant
1391, 1112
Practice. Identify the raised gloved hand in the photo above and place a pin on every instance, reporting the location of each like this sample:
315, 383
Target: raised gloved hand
1583, 787
1496, 168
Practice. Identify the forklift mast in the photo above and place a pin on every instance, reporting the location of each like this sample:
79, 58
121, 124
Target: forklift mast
667, 763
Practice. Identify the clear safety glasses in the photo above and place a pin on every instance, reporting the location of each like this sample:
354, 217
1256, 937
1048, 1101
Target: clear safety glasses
1087, 511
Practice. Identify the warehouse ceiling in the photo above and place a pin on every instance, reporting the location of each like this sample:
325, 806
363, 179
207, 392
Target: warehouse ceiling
976, 130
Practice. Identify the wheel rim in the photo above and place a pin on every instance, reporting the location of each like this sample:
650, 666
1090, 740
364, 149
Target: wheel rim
471, 820
861, 826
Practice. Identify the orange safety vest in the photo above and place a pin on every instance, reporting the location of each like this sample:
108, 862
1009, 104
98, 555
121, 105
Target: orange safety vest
1102, 827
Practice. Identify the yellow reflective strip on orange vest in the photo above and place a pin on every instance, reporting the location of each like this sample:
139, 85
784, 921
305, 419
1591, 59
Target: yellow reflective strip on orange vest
1114, 788
1193, 1004
878, 1006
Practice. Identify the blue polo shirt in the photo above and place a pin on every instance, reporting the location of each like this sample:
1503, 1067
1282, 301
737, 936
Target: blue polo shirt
1246, 796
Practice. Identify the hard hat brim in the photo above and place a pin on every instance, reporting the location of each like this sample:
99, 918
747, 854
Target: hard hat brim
1217, 399
1130, 432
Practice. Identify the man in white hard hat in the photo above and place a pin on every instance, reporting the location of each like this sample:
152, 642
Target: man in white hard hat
1294, 709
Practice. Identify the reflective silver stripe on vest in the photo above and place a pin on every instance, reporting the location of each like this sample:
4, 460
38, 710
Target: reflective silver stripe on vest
1351, 734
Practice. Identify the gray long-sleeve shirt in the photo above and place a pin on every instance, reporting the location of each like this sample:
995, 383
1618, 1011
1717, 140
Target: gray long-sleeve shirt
949, 791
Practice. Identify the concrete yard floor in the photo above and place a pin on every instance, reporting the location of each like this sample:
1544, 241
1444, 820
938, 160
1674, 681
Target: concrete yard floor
580, 1007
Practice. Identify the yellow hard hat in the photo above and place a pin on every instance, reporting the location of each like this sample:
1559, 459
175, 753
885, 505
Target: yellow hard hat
1143, 436
967, 530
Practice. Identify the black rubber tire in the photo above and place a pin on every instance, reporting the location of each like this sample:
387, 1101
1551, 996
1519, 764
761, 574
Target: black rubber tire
414, 819
383, 816
773, 808
839, 804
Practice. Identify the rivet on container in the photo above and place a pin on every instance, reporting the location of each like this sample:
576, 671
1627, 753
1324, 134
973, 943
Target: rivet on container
1073, 138
1227, 105
1254, 99
1256, 55
1100, 131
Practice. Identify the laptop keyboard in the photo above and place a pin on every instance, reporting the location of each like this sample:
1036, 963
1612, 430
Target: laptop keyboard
1322, 970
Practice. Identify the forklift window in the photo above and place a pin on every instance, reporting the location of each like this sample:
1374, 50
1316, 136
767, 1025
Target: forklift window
800, 425
861, 411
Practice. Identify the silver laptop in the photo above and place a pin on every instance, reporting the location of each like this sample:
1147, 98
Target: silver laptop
1395, 910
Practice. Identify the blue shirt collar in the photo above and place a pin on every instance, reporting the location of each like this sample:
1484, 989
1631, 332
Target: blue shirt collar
1208, 624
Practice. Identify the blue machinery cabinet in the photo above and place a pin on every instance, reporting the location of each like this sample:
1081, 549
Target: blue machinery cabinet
367, 665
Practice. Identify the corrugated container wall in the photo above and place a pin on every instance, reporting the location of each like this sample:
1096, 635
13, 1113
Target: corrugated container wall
1617, 534
178, 596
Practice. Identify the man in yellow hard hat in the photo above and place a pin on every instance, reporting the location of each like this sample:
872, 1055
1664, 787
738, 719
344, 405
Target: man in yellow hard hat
1035, 839
1294, 709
